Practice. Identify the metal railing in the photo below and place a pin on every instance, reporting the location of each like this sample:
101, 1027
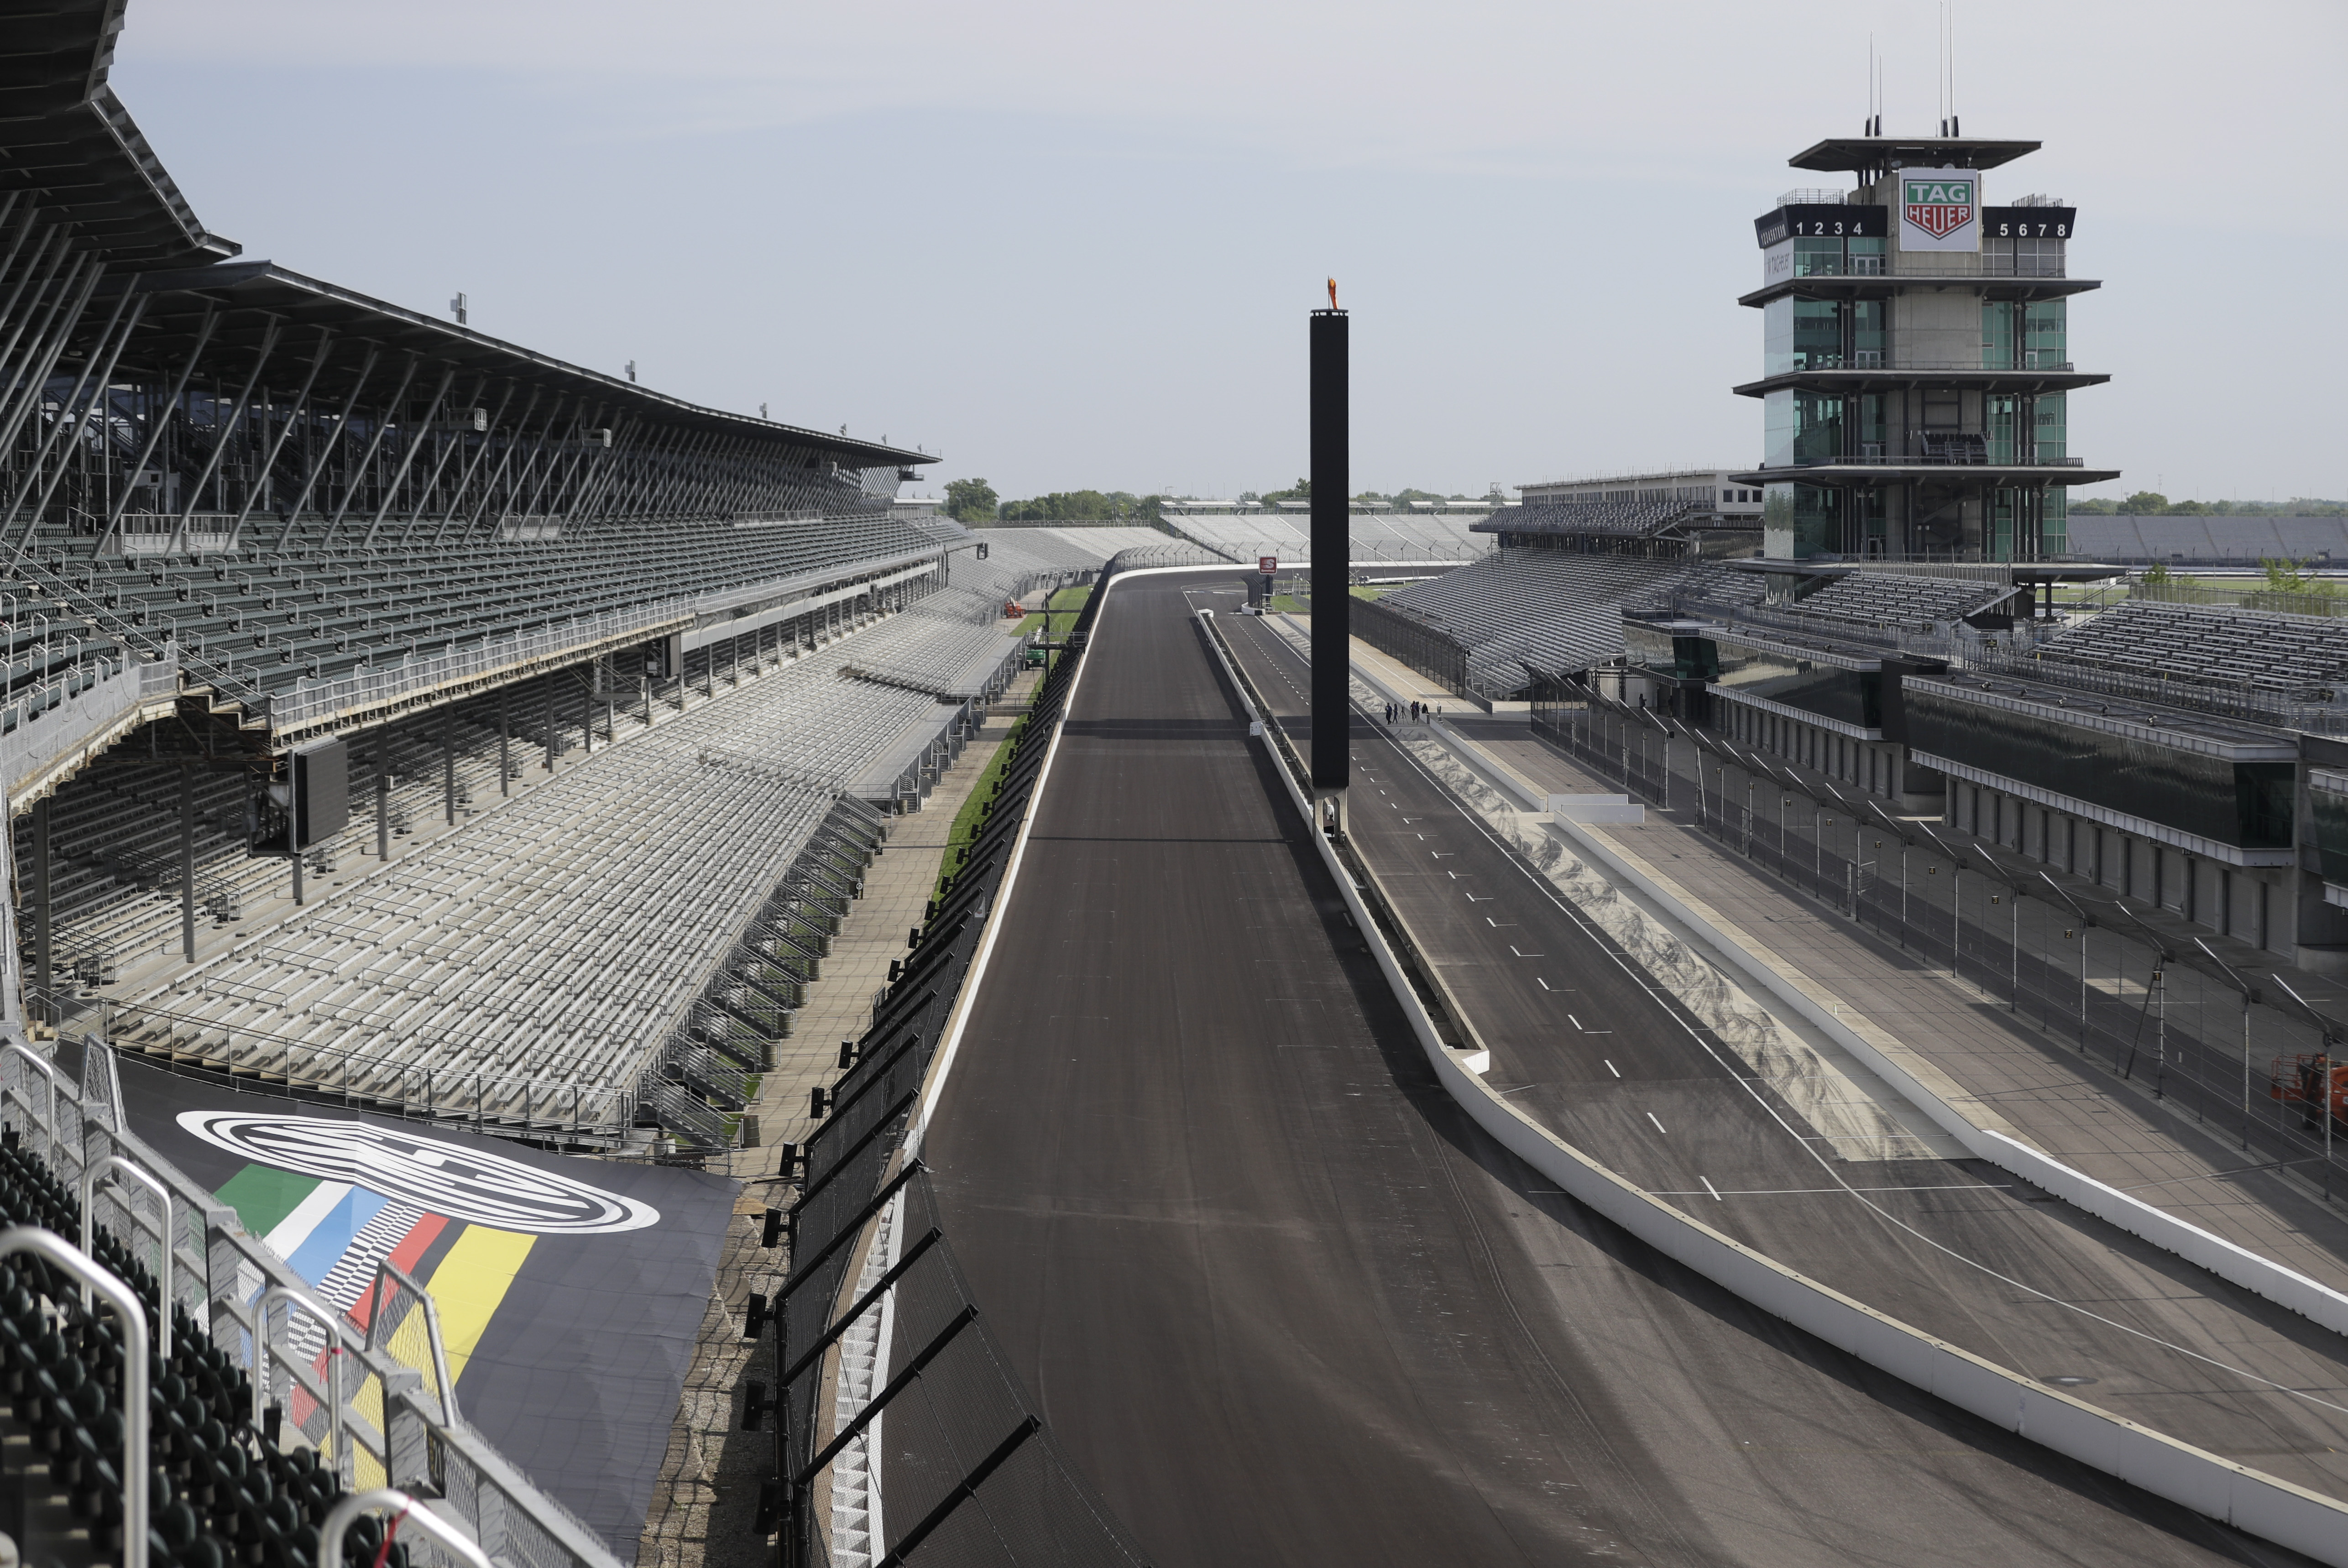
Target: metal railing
311, 701
395, 1429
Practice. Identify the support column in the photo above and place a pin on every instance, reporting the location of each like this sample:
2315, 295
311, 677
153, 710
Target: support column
448, 763
587, 713
383, 793
1332, 552
188, 863
44, 976
551, 733
504, 747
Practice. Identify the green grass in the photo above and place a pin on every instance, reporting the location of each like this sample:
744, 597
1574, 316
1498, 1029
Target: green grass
1291, 603
1362, 591
1060, 625
967, 822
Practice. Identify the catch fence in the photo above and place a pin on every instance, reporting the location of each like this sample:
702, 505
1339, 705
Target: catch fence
903, 1432
2244, 1053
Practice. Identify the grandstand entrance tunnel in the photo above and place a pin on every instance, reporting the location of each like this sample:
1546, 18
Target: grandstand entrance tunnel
1289, 1305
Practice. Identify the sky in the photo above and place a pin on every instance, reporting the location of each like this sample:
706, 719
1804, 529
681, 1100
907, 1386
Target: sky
1073, 245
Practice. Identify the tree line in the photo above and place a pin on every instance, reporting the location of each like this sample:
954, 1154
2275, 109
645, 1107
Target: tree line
2152, 503
974, 503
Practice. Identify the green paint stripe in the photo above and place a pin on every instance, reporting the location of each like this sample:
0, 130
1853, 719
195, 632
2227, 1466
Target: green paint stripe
262, 1195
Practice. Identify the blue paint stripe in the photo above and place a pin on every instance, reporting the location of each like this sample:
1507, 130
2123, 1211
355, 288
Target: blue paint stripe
325, 1246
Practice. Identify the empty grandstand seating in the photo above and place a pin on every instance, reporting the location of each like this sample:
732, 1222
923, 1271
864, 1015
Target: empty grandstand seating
1376, 537
2298, 656
262, 623
1905, 603
473, 954
218, 1491
1526, 614
1627, 518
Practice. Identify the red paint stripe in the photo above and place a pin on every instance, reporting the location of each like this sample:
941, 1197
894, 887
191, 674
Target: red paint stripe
421, 1235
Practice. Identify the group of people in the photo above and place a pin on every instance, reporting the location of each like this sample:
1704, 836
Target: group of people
1419, 712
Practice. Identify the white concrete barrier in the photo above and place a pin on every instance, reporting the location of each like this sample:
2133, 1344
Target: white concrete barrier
1912, 1075
2267, 1506
1598, 810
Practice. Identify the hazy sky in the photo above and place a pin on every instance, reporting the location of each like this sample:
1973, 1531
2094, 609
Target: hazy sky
1073, 244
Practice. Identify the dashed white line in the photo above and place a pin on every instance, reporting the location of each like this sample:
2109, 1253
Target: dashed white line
1659, 1126
1611, 1067
1711, 1189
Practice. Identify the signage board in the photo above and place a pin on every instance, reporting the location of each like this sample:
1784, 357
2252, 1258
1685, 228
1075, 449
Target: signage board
1822, 220
1940, 210
1267, 565
2029, 222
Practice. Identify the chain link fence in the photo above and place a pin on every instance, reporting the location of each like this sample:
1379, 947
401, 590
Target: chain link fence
2244, 1053
902, 1428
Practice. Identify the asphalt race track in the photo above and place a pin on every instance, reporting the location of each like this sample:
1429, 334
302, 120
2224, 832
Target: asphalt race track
1284, 1303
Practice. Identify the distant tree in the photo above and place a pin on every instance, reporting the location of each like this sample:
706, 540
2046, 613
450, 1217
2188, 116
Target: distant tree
1060, 506
2145, 503
970, 500
2188, 509
2287, 576
2094, 506
2157, 572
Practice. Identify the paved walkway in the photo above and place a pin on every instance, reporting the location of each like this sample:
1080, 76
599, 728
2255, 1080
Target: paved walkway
2071, 1108
704, 1503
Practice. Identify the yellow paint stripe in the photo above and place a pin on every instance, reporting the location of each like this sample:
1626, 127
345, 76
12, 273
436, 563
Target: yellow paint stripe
470, 1282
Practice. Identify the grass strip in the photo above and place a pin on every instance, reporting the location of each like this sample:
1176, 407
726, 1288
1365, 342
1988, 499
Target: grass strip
967, 821
1066, 599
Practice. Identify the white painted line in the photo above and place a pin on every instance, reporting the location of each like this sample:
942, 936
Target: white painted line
1711, 1189
1611, 1067
1659, 1126
1574, 1021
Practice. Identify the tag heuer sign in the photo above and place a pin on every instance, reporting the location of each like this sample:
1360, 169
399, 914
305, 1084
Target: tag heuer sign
1940, 210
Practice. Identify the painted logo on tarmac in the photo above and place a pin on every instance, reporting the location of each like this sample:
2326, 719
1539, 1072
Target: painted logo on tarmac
441, 1178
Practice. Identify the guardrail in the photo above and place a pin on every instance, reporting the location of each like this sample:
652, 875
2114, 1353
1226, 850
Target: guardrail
2247, 1499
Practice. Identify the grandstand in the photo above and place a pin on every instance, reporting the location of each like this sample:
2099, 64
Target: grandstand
2301, 658
1513, 621
625, 692
1394, 539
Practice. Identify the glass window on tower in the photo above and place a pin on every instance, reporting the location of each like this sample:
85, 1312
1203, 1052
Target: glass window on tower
1863, 257
2045, 344
1817, 521
1818, 427
2050, 427
2054, 525
1817, 258
1778, 336
1873, 441
1997, 420
1867, 340
1777, 429
1997, 334
1999, 526
1818, 335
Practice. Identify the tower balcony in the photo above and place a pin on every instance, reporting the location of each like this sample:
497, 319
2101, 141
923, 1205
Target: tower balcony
1882, 370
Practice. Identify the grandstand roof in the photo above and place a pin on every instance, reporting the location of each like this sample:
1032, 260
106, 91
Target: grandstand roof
1853, 153
261, 291
63, 133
